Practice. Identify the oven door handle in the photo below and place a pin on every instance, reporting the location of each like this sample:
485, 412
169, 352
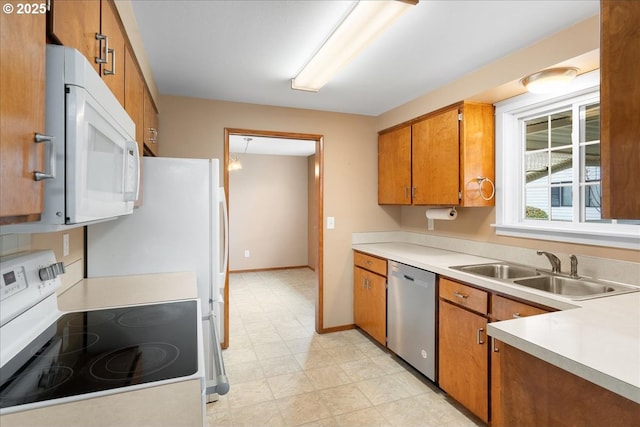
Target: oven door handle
219, 384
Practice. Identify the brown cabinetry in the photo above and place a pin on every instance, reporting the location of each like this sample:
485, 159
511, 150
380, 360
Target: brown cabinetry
150, 139
370, 295
22, 101
93, 27
134, 96
463, 351
394, 167
504, 309
619, 102
437, 159
536, 393
468, 372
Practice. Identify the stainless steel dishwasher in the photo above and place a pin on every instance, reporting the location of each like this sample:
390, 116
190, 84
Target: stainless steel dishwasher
411, 316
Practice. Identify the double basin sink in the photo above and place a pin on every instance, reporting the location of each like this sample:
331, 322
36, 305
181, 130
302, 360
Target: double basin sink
569, 287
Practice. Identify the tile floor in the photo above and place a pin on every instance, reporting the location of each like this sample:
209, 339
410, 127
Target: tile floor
284, 374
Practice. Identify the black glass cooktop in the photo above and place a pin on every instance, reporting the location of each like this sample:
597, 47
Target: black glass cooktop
101, 350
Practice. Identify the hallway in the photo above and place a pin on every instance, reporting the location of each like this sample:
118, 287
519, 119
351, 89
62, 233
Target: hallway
283, 374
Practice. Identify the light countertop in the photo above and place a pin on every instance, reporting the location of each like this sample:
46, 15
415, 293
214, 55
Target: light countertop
597, 339
126, 290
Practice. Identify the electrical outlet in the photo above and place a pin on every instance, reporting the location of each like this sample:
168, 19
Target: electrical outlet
65, 244
247, 254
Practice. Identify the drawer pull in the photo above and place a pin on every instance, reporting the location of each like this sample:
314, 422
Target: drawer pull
459, 295
479, 336
368, 262
516, 315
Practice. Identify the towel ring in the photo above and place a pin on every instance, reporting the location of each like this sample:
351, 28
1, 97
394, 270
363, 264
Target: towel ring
481, 180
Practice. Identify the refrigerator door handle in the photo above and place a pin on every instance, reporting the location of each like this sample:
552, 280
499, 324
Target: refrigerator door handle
219, 384
225, 216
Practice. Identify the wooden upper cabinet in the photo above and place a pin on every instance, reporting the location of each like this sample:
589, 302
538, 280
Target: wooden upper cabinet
134, 96
447, 156
75, 23
22, 101
394, 167
620, 108
112, 71
435, 159
477, 154
151, 139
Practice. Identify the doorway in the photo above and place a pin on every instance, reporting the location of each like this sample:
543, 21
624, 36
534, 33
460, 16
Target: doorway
316, 213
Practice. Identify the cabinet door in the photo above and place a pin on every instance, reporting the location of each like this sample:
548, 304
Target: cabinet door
435, 159
112, 71
369, 308
150, 125
74, 23
394, 167
496, 366
22, 105
477, 155
620, 109
536, 393
464, 358
134, 96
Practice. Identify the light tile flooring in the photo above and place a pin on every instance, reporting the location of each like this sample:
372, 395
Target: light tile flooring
284, 374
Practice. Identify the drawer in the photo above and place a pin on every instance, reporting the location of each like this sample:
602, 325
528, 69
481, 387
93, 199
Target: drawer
466, 296
504, 309
371, 263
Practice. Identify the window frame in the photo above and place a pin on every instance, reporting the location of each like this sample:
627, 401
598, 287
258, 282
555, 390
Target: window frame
509, 177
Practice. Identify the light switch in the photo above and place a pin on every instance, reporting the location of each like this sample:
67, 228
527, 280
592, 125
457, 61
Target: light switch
331, 223
65, 244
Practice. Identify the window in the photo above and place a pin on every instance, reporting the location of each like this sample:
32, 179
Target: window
548, 162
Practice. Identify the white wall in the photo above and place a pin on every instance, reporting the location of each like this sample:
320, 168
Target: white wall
268, 212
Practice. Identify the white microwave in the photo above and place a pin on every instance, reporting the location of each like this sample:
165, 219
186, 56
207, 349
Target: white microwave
94, 165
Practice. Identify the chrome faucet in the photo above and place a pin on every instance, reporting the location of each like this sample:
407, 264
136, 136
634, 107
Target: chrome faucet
574, 266
554, 260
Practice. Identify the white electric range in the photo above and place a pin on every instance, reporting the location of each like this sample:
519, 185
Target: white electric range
54, 363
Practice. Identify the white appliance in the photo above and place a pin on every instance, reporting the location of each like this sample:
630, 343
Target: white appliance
181, 226
93, 159
54, 358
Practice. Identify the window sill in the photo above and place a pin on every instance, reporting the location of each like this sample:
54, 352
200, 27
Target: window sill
564, 234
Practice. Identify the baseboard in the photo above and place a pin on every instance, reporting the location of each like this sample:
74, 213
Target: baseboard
255, 270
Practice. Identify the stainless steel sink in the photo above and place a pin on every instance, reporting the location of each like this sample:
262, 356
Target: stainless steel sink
572, 287
555, 283
499, 270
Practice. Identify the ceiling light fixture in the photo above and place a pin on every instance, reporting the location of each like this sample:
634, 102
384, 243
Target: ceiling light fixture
366, 21
234, 163
550, 80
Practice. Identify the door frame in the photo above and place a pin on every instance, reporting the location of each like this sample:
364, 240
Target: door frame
319, 185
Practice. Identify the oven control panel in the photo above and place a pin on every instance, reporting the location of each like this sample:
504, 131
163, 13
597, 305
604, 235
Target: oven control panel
26, 279
13, 281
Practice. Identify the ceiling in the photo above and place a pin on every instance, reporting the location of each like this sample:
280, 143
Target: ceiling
270, 146
248, 51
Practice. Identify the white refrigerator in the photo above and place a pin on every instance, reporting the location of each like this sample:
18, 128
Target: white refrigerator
182, 225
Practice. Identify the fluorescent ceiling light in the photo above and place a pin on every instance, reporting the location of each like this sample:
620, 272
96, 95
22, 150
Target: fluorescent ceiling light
367, 20
551, 80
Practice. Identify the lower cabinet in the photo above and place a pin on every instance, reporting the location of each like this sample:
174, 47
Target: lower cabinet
370, 295
503, 309
463, 351
470, 362
535, 393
